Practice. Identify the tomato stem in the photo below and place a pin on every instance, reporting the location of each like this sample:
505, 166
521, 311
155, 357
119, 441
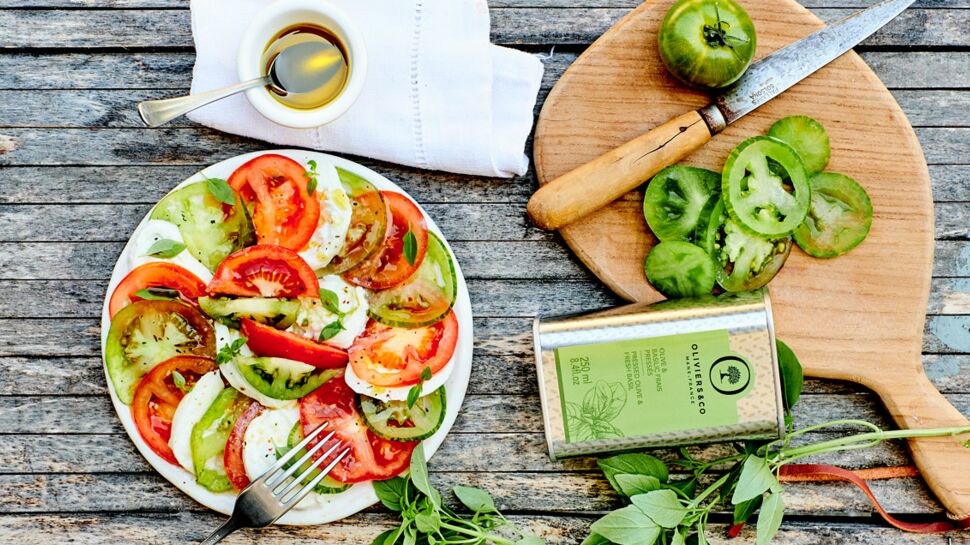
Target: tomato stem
717, 35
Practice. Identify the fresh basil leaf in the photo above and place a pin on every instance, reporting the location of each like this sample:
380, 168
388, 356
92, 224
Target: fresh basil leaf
330, 301
394, 535
633, 463
331, 330
746, 509
595, 539
179, 381
530, 539
414, 394
756, 479
632, 484
229, 352
687, 486
311, 185
221, 190
382, 537
627, 526
426, 373
475, 499
157, 294
410, 537
428, 521
769, 520
791, 375
662, 506
391, 491
678, 539
419, 475
312, 164
165, 248
410, 247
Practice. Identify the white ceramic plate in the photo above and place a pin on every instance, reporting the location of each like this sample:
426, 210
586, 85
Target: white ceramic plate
359, 496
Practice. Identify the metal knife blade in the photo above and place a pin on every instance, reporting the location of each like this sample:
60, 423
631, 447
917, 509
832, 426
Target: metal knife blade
772, 75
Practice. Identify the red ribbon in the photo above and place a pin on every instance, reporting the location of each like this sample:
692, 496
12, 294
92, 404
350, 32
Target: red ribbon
821, 472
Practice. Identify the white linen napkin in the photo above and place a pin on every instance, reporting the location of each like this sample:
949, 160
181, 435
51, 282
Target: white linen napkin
438, 94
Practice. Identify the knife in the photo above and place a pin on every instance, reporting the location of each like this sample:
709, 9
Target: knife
608, 177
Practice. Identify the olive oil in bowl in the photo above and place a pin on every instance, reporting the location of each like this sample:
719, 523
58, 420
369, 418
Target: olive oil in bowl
318, 78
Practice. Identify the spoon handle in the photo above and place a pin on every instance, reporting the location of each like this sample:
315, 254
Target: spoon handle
158, 112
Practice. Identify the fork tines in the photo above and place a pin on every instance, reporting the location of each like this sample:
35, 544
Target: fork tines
275, 480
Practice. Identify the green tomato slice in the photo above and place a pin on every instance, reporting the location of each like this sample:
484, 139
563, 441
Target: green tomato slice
680, 269
765, 187
281, 378
211, 230
676, 200
209, 437
744, 261
395, 421
146, 333
326, 486
839, 219
368, 223
279, 313
425, 297
807, 137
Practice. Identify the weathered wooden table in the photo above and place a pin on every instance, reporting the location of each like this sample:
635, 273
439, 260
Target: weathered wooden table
78, 170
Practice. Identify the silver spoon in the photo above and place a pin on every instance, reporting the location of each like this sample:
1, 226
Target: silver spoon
292, 71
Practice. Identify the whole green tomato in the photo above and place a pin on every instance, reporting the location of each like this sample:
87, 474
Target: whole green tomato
707, 43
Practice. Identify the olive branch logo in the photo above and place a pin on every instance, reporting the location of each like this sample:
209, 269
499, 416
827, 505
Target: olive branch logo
592, 419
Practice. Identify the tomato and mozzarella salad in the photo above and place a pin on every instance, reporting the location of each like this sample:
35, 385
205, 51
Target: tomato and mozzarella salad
257, 308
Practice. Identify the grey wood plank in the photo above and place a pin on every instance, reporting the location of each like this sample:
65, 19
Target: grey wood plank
588, 492
185, 146
173, 69
189, 526
115, 108
151, 28
547, 4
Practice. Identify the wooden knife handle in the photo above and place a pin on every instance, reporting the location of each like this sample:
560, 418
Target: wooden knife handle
943, 461
608, 177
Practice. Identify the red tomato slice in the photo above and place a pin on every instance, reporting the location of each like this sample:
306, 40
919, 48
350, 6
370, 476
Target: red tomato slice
388, 266
274, 188
267, 341
371, 458
157, 397
265, 271
155, 275
395, 356
233, 457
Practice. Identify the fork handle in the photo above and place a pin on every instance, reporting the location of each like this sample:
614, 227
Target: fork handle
158, 112
221, 532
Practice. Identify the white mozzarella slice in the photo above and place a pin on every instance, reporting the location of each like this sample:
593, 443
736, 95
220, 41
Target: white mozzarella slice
313, 317
224, 337
266, 433
335, 214
189, 412
385, 393
153, 231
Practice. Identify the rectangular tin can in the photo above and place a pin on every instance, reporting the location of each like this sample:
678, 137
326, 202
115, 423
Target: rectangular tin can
677, 372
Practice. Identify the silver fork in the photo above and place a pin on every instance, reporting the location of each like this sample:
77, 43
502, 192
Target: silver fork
271, 495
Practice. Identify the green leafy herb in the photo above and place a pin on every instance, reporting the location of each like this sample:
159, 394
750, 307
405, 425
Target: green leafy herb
330, 301
157, 294
165, 248
410, 246
426, 374
665, 512
311, 177
179, 381
475, 499
331, 330
229, 352
221, 190
414, 394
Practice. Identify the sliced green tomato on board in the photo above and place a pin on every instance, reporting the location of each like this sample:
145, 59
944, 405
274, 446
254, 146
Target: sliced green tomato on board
677, 198
807, 137
680, 269
209, 437
281, 378
425, 297
395, 421
839, 219
325, 486
277, 312
146, 333
211, 229
743, 261
368, 223
765, 187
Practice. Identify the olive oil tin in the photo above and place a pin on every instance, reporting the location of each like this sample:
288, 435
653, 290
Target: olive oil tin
677, 372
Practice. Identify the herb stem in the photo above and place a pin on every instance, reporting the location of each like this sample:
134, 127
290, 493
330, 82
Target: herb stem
872, 438
710, 490
498, 540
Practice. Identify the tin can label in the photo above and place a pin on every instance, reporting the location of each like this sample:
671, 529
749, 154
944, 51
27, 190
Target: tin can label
649, 386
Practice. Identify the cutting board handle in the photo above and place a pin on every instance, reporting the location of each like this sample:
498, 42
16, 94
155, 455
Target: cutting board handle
914, 402
601, 181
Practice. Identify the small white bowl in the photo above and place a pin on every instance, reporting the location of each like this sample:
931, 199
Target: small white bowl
286, 13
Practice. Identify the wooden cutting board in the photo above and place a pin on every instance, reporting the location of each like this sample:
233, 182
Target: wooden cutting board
858, 317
